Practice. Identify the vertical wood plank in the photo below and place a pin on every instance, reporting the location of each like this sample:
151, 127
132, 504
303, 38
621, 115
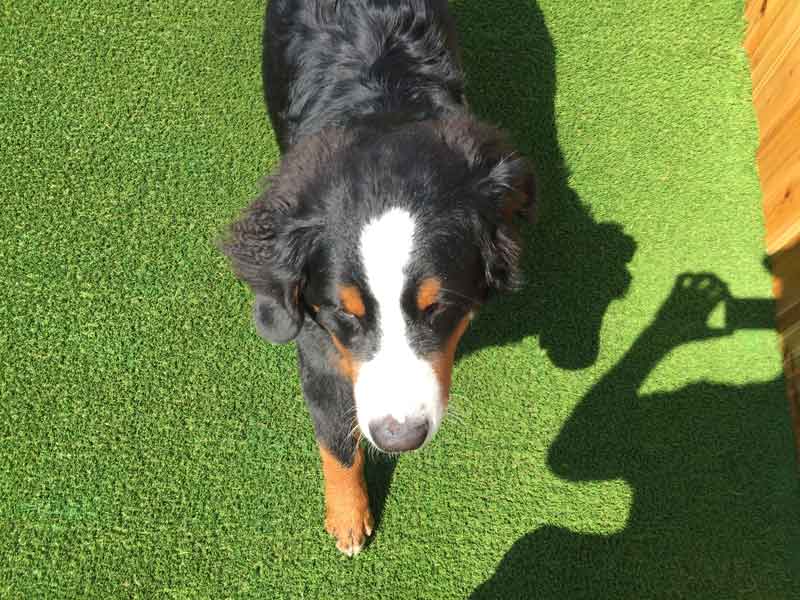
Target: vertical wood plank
773, 46
761, 15
774, 101
780, 37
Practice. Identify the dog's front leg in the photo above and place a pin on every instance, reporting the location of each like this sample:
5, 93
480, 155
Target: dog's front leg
329, 397
347, 514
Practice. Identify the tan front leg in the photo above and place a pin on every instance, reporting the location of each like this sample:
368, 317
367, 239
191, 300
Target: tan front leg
347, 516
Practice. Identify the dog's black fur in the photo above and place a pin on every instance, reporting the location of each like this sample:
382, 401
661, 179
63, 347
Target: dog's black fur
367, 100
332, 62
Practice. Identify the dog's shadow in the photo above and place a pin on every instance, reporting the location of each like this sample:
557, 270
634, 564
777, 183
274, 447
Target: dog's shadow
378, 473
574, 266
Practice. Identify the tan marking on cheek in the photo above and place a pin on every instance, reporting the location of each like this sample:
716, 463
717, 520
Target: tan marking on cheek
442, 362
345, 362
428, 292
351, 300
347, 514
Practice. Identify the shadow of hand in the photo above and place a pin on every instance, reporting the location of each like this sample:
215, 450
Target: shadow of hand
683, 318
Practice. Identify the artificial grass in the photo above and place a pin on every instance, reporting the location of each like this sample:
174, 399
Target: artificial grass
152, 446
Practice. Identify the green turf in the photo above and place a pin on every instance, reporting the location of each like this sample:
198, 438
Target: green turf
152, 446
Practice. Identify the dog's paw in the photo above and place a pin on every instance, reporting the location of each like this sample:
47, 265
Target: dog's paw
350, 526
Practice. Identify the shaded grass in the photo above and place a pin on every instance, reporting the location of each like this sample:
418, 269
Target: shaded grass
151, 446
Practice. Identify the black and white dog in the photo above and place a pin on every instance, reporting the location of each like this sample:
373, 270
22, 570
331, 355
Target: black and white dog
388, 223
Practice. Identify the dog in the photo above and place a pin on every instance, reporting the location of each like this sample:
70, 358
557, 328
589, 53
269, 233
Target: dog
392, 218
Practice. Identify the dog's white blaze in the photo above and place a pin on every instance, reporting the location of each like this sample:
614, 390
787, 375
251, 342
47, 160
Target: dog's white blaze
396, 381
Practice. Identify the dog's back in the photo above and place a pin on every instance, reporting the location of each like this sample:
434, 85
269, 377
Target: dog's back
332, 61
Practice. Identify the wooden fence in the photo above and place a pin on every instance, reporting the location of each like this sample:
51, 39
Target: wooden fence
773, 45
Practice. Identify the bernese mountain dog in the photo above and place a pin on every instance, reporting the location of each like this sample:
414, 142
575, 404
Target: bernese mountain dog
390, 220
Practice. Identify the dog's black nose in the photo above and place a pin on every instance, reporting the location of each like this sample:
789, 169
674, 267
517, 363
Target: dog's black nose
392, 436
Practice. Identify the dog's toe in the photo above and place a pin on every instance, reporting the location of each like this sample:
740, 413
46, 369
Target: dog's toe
350, 528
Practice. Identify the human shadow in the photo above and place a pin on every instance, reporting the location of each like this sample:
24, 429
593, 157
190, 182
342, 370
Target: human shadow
574, 266
716, 501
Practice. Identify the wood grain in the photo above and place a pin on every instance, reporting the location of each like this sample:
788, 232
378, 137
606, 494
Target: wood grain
772, 43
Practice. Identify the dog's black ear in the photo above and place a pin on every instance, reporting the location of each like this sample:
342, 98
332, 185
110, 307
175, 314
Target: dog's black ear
278, 317
504, 186
269, 247
502, 176
508, 192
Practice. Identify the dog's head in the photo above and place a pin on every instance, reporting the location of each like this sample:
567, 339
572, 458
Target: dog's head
389, 240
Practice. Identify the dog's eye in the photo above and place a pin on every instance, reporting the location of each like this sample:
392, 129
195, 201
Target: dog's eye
336, 319
434, 310
347, 316
443, 314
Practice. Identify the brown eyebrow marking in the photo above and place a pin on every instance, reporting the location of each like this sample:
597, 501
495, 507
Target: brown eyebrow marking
351, 300
428, 292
